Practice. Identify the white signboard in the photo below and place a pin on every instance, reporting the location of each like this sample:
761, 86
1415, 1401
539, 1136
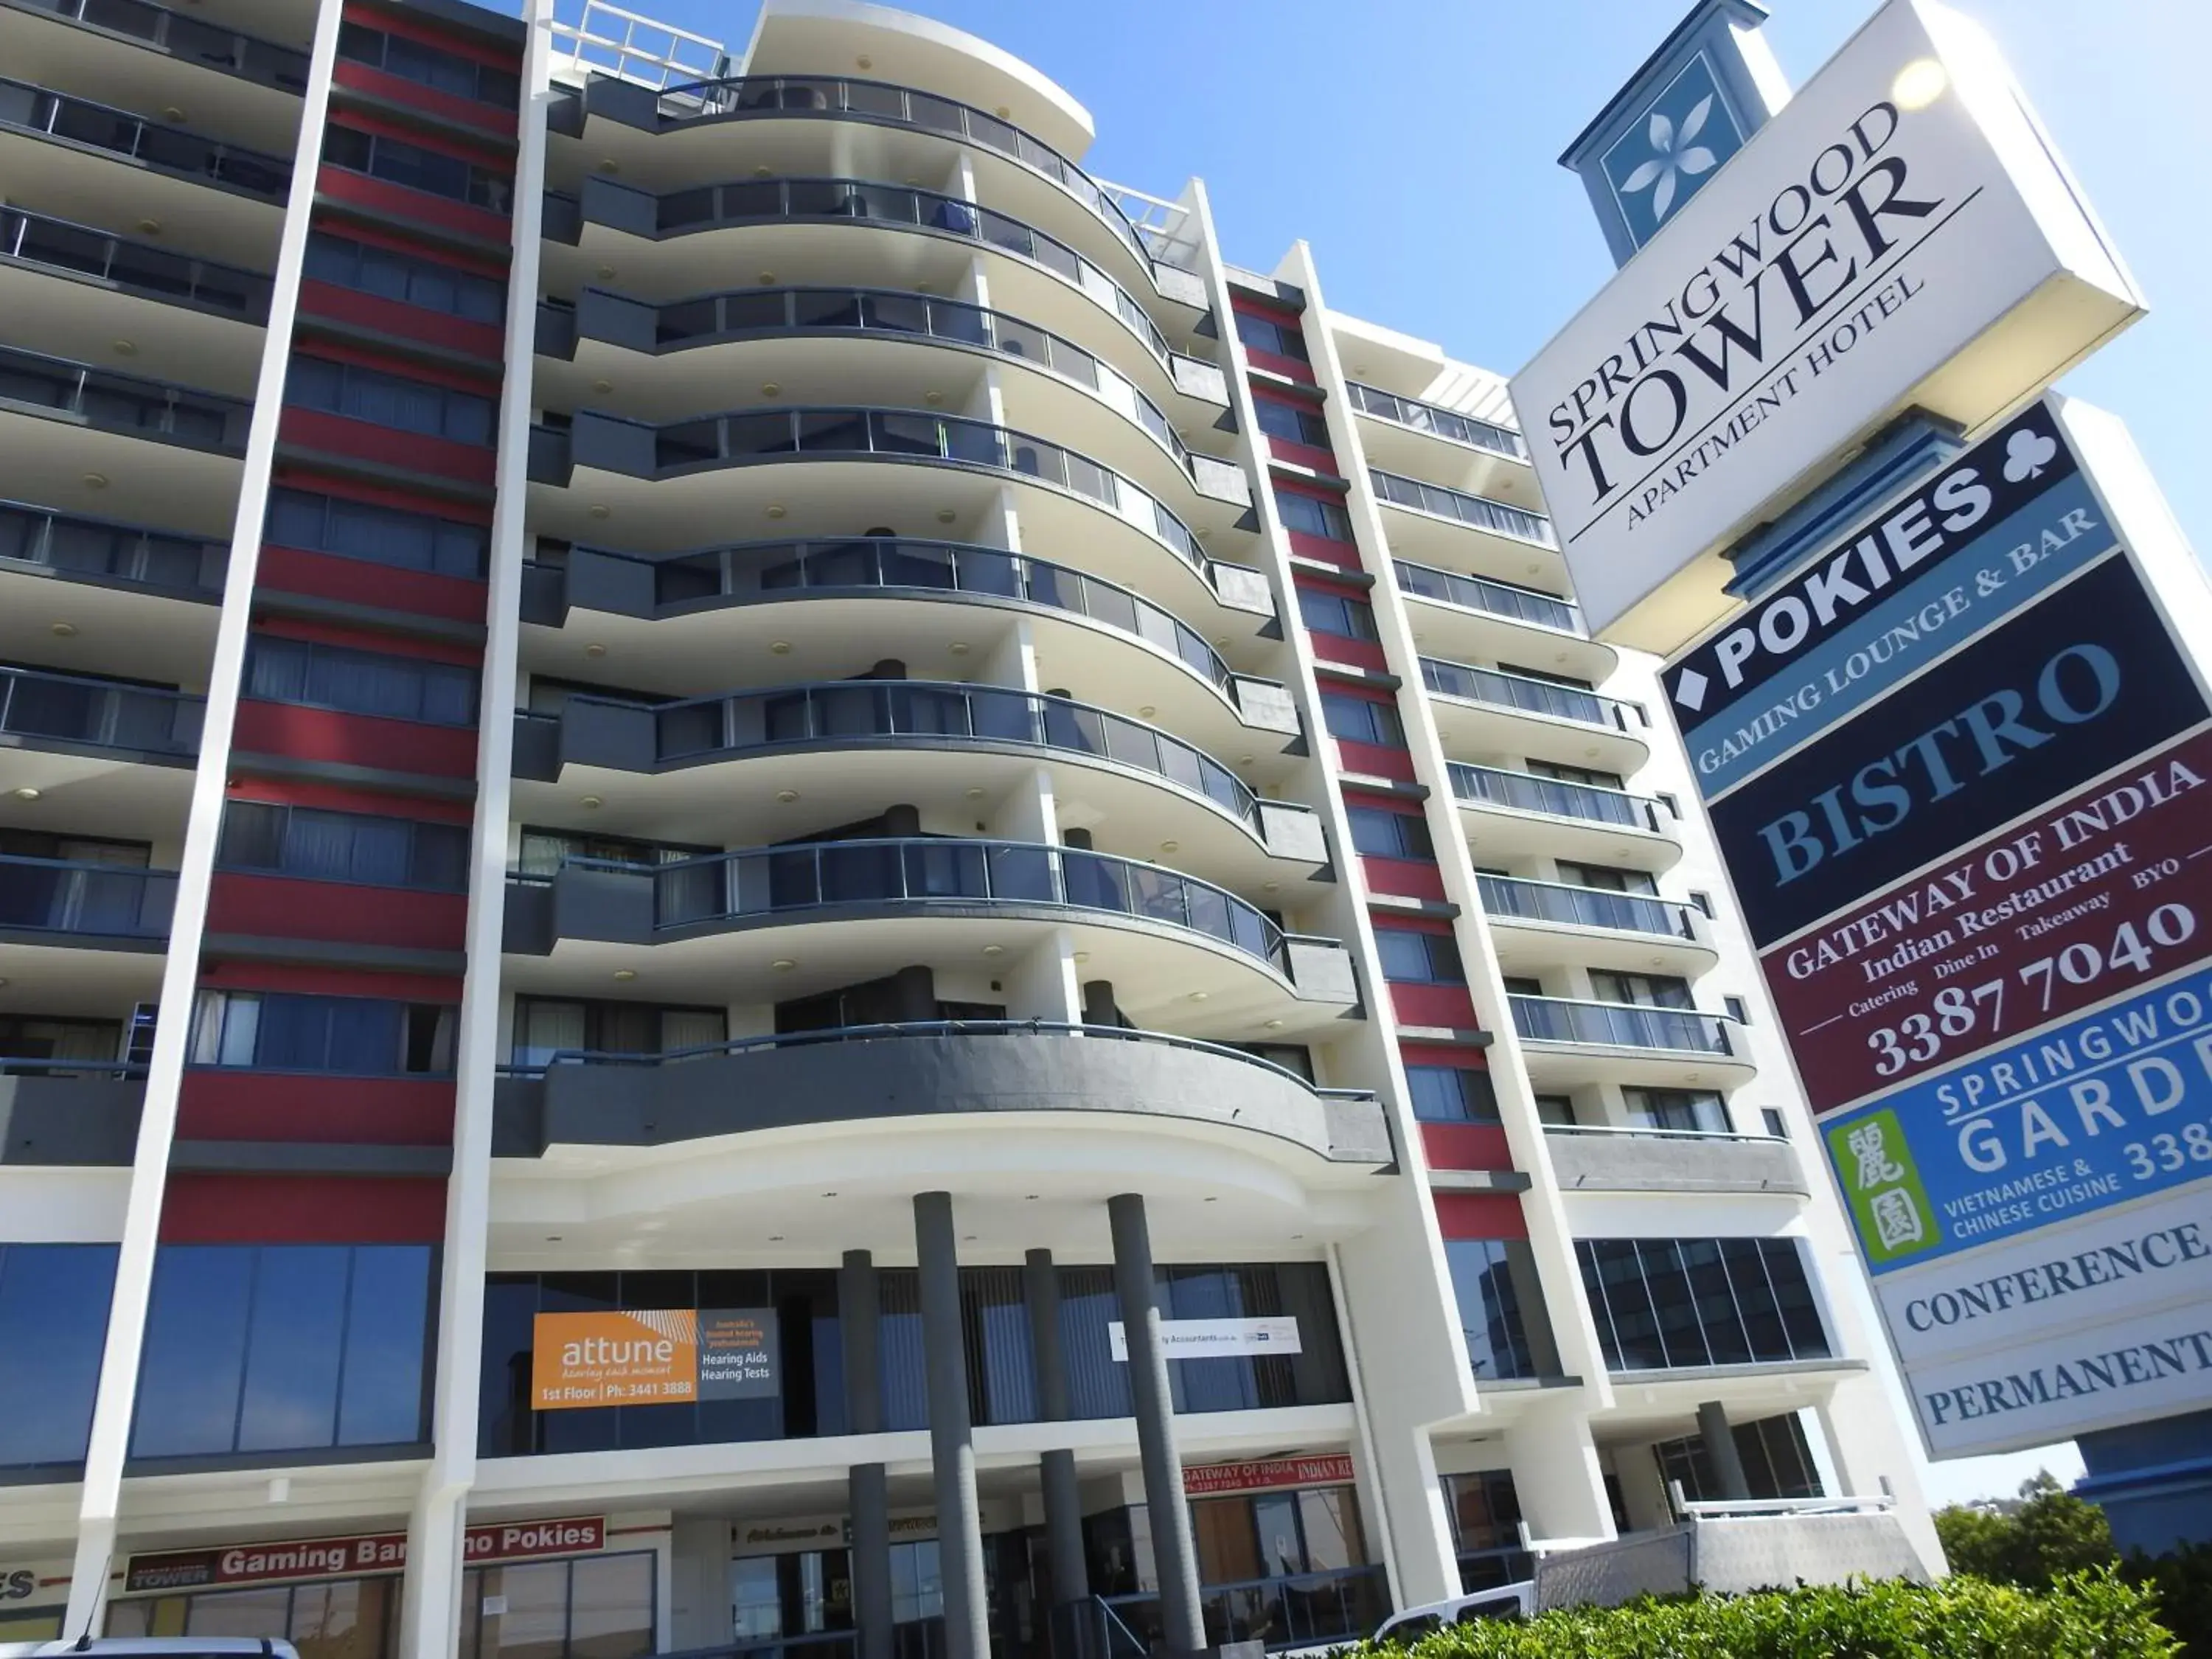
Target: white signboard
1215, 1339
1900, 233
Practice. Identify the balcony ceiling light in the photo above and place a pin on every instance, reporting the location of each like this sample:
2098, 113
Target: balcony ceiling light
1221, 642
95, 481
1200, 996
608, 164
1004, 113
149, 227
591, 803
771, 389
601, 510
1245, 760
865, 61
763, 172
777, 510
780, 647
958, 647
933, 398
975, 794
173, 113
783, 964
602, 386
1273, 886
28, 792
945, 515
595, 651
606, 271
1146, 711
765, 276
786, 797
994, 949
1274, 1025
64, 630
1171, 847
1083, 956
1533, 568
625, 974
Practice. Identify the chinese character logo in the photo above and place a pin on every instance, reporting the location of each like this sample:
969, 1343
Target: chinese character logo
1670, 150
1890, 1206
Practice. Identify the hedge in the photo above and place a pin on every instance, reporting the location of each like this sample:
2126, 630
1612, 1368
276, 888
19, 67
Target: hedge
2091, 1615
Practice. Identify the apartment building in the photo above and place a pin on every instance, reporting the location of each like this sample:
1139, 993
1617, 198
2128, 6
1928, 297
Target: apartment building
769, 878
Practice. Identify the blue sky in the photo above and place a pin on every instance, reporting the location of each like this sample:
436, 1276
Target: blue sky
1413, 143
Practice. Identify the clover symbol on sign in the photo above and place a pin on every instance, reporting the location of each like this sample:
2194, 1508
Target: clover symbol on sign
2027, 453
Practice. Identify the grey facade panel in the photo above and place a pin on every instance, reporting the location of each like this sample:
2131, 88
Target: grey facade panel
1668, 1163
87, 1122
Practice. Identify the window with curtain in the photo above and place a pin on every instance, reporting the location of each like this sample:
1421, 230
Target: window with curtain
1378, 833
380, 535
1262, 334
1418, 959
360, 682
1676, 1108
1310, 515
1336, 613
351, 846
414, 167
355, 1036
367, 269
1643, 990
1358, 720
256, 1348
429, 66
546, 1026
1664, 1303
1291, 422
393, 400
54, 1326
1452, 1094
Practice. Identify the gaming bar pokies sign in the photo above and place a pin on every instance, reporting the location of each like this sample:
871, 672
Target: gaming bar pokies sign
1957, 767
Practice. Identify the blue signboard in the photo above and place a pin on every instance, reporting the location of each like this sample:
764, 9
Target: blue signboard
2112, 1106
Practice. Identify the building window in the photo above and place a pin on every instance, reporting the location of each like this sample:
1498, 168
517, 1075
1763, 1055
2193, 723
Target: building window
381, 535
1738, 1010
367, 269
1381, 834
1501, 1306
1777, 1125
1603, 877
546, 1026
1310, 515
388, 400
1336, 613
1662, 1304
596, 1606
54, 1326
339, 1616
1587, 776
441, 71
1698, 1109
361, 681
1702, 901
1641, 990
1414, 958
1277, 339
1452, 1094
284, 1347
1557, 1111
1777, 1461
1485, 1513
352, 847
416, 169
1291, 422
1356, 719
350, 1037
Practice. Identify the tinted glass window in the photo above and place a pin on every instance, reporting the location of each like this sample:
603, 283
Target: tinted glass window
351, 846
1290, 422
1381, 834
416, 169
382, 535
370, 269
1418, 959
361, 681
1357, 720
1664, 1303
1333, 613
411, 60
1501, 1306
1281, 340
390, 400
1311, 516
53, 1324
1452, 1094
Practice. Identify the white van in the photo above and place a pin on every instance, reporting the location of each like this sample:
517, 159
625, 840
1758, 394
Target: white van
152, 1647
1506, 1601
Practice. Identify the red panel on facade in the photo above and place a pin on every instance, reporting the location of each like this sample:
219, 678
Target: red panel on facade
356, 581
1324, 551
1353, 653
351, 1111
1288, 367
365, 639
1466, 1147
339, 435
284, 906
1481, 1215
243, 1209
305, 792
416, 27
404, 321
283, 728
1376, 760
226, 975
378, 493
1432, 1004
1297, 454
397, 201
1405, 877
397, 89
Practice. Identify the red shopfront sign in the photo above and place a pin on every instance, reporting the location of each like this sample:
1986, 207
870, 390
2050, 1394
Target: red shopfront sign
1217, 1480
345, 1557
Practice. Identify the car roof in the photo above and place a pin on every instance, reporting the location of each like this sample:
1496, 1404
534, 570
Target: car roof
151, 1647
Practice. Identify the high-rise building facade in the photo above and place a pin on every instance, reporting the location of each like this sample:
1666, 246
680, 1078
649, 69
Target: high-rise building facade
755, 853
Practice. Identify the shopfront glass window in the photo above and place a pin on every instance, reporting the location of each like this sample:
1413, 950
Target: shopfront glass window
596, 1606
917, 1582
340, 1619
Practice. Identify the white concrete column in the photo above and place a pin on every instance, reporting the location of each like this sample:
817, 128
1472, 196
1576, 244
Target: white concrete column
1643, 1489
1557, 1475
1424, 1558
1044, 983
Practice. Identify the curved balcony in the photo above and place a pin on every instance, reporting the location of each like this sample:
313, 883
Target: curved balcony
1568, 1042
1145, 782
1011, 157
75, 290
1064, 493
939, 1070
59, 418
1466, 531
700, 231
121, 755
1540, 923
698, 347
1406, 435
59, 152
149, 57
840, 910
1604, 1158
135, 596
1083, 626
1471, 617
1498, 710
1526, 815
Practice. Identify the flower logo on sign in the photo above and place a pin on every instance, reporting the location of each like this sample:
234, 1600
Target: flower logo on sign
2027, 453
1674, 155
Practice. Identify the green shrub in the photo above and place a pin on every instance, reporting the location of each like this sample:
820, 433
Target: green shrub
2090, 1615
2182, 1581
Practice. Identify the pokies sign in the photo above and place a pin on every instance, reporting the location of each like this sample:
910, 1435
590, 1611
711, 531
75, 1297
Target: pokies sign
298, 1558
653, 1357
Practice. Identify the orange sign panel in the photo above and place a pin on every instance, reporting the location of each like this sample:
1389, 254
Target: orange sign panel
646, 1357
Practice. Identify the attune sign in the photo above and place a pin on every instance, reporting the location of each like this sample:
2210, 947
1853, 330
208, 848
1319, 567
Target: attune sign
1900, 233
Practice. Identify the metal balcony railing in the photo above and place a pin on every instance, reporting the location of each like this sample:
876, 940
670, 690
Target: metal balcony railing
866, 200
1530, 697
123, 403
172, 149
1478, 511
1512, 897
1446, 423
1620, 1025
76, 709
749, 435
1529, 791
40, 239
1522, 605
187, 39
59, 896
923, 871
72, 546
936, 567
747, 721
789, 310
